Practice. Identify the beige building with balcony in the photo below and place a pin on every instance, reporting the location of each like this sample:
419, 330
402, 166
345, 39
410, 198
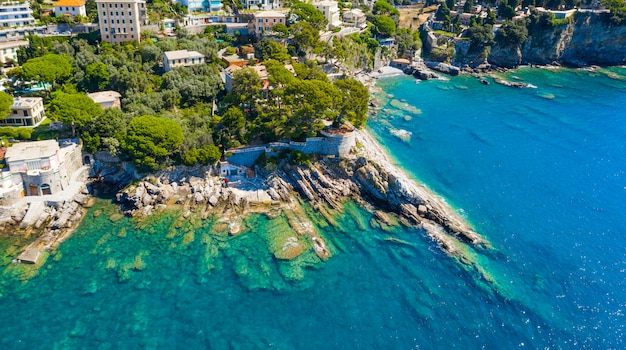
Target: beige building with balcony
25, 111
120, 20
264, 21
181, 58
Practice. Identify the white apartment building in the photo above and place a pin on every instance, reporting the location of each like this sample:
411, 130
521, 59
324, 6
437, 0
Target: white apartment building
15, 14
262, 4
330, 9
202, 5
120, 20
354, 18
25, 111
70, 7
181, 58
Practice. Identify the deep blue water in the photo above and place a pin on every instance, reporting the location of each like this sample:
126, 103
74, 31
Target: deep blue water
539, 172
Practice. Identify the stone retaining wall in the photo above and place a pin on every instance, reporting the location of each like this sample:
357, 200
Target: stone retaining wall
331, 144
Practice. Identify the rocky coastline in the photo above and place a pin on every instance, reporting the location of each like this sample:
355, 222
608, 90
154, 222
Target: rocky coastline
367, 177
46, 222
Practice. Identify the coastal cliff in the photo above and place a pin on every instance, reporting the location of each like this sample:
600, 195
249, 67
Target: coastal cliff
586, 39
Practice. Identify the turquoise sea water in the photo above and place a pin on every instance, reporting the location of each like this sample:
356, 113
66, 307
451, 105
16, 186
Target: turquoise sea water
539, 172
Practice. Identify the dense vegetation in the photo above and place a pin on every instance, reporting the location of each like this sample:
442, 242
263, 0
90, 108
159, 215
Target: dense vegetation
183, 115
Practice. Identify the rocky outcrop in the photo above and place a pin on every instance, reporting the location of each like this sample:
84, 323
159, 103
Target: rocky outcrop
421, 72
444, 68
507, 57
52, 222
588, 39
372, 178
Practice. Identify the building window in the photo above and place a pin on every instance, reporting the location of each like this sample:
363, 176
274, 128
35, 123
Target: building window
105, 21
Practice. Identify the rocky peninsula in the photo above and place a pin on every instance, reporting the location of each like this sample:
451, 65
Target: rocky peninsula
367, 176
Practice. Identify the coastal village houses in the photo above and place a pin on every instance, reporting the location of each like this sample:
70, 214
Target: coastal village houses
181, 58
120, 20
25, 111
70, 8
38, 168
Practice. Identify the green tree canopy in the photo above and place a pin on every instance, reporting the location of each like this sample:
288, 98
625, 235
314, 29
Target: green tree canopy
467, 7
201, 83
305, 37
309, 14
207, 154
382, 7
480, 37
512, 33
355, 98
278, 74
96, 76
48, 68
6, 101
269, 49
110, 125
310, 101
150, 140
450, 4
408, 41
443, 12
231, 127
385, 26
74, 108
506, 11
246, 87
